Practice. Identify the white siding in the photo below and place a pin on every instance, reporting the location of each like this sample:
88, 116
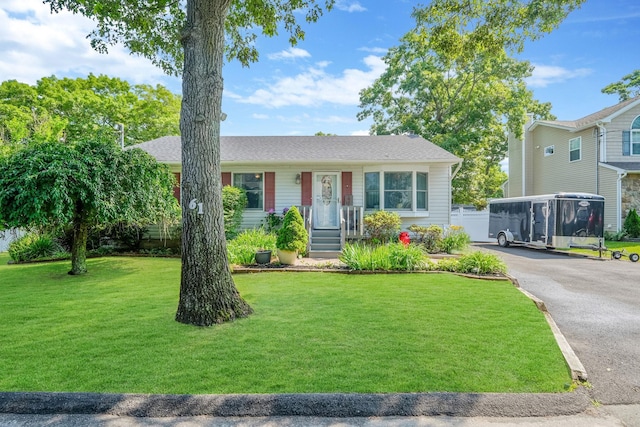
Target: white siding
609, 189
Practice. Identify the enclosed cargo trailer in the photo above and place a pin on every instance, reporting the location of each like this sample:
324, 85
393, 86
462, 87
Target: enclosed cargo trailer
560, 220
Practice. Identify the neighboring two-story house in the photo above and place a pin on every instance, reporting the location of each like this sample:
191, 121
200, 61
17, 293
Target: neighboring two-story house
599, 153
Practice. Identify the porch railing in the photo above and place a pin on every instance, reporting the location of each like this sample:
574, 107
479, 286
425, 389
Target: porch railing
352, 218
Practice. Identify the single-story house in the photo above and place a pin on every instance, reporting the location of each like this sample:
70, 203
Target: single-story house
334, 180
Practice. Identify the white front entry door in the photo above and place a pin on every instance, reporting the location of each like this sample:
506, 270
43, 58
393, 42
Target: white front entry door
326, 200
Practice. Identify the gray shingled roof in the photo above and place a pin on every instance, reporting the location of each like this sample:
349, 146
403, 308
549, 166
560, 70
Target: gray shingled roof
297, 149
591, 119
628, 166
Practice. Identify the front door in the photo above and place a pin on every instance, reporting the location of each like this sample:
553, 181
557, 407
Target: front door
326, 206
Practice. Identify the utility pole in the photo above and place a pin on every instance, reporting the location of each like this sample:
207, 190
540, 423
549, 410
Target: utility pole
120, 128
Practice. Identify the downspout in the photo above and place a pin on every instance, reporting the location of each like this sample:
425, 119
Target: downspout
453, 175
600, 148
621, 176
524, 152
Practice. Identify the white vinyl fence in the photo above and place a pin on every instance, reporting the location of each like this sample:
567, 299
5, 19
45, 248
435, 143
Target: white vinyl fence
8, 236
475, 223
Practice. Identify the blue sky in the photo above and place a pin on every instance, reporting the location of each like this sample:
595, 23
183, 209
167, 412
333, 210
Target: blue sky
314, 86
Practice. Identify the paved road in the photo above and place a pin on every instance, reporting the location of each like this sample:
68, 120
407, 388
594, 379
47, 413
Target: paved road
596, 304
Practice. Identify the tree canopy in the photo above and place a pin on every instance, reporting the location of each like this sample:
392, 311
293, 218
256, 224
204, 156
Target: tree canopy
628, 87
191, 38
85, 184
453, 80
76, 109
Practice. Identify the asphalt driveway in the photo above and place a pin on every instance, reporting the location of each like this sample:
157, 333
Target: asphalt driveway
596, 304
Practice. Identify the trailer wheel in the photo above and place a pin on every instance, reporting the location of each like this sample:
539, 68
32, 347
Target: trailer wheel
634, 257
502, 240
616, 254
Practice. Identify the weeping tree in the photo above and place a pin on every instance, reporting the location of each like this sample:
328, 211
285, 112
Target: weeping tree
453, 79
85, 184
191, 37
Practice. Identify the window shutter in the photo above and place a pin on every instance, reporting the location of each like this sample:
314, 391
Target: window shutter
269, 191
306, 188
347, 194
176, 189
226, 178
626, 143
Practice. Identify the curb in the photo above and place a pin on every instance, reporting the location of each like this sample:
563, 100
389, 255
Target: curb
318, 405
578, 372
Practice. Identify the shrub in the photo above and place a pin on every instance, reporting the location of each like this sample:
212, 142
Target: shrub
292, 236
272, 222
473, 263
429, 237
481, 263
242, 249
382, 226
455, 240
394, 256
615, 237
234, 200
33, 246
632, 224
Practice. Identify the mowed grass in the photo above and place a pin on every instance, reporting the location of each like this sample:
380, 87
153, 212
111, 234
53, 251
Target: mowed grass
113, 330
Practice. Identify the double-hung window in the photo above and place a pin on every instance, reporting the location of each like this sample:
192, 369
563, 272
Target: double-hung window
635, 137
253, 185
397, 190
575, 149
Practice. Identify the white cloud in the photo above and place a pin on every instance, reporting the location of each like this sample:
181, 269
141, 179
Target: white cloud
347, 6
315, 87
35, 43
376, 50
259, 116
544, 75
291, 53
360, 133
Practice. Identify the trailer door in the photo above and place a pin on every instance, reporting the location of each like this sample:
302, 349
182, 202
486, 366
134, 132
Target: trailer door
539, 222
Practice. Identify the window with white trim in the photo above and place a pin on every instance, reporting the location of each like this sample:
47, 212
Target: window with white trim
548, 151
397, 190
635, 137
253, 185
575, 149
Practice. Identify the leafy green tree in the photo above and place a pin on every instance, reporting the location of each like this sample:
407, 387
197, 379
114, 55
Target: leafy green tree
452, 80
75, 109
628, 87
88, 184
192, 36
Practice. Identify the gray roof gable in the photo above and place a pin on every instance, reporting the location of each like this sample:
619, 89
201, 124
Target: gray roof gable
311, 149
604, 115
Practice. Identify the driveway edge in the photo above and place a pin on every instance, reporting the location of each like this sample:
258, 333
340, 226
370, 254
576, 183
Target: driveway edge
578, 372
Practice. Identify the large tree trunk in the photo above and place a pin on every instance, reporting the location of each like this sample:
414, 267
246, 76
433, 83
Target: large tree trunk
207, 292
79, 246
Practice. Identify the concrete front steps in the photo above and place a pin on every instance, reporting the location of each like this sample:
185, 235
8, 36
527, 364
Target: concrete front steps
325, 244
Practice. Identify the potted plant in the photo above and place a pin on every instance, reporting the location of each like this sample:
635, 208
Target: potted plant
263, 256
292, 237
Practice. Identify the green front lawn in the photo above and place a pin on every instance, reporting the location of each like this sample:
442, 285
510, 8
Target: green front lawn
113, 330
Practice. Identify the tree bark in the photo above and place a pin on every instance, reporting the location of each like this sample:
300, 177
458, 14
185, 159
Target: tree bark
79, 245
207, 292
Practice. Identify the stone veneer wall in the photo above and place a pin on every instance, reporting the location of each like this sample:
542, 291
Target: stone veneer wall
630, 194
